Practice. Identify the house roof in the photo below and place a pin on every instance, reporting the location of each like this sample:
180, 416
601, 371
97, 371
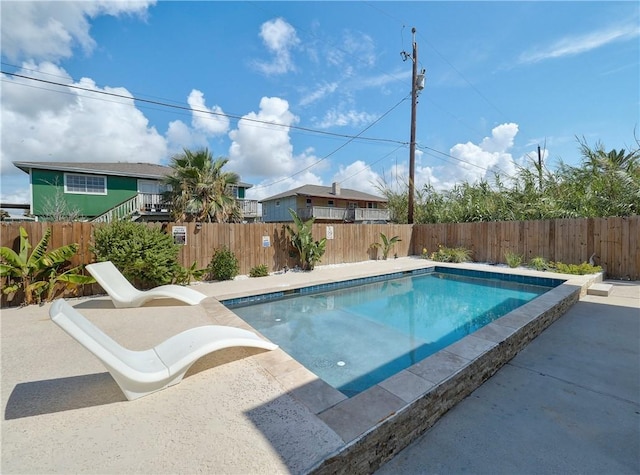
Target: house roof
327, 192
135, 170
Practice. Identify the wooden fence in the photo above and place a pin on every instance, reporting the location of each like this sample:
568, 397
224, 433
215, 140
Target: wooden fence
614, 241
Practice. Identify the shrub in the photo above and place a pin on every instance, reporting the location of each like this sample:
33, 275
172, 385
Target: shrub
309, 251
539, 263
224, 265
448, 254
576, 269
259, 271
513, 259
144, 254
386, 245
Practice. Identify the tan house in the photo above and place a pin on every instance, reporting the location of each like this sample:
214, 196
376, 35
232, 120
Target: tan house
326, 204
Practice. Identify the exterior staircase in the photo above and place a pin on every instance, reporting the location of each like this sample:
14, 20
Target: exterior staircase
127, 209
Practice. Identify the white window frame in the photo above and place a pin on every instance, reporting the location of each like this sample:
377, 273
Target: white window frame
85, 177
353, 205
331, 204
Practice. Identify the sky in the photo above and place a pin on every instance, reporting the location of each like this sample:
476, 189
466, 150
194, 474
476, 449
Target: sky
295, 93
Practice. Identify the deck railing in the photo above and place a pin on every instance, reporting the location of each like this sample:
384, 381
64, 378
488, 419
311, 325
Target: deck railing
357, 215
154, 203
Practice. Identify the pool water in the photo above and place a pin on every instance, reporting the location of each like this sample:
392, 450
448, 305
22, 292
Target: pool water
356, 337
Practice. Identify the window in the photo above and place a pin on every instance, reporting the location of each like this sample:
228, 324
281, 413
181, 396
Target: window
152, 187
372, 205
308, 202
353, 205
277, 203
330, 204
236, 192
87, 184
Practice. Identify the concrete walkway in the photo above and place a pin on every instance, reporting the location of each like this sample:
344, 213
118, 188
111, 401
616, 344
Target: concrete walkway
568, 403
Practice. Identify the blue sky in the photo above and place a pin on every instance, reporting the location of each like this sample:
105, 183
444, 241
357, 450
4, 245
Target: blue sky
300, 93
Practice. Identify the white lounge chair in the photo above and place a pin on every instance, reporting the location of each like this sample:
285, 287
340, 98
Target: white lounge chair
125, 295
139, 373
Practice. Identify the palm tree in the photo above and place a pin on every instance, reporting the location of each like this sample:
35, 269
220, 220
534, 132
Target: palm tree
598, 160
200, 190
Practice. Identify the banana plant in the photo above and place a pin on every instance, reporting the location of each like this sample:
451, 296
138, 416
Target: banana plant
386, 244
40, 272
310, 251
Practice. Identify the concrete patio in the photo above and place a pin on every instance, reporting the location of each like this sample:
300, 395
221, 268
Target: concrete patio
245, 411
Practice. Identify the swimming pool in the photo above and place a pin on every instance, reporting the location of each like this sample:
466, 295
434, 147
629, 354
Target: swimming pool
357, 333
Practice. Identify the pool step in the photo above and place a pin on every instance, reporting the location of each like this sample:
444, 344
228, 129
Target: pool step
600, 289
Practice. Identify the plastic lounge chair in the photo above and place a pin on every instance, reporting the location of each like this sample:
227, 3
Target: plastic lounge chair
139, 373
125, 295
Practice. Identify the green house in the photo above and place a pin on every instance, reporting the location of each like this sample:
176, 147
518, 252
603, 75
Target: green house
102, 192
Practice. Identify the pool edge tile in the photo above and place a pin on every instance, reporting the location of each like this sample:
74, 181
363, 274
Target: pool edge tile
407, 386
358, 414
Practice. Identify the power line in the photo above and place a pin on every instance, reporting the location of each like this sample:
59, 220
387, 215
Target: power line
475, 89
187, 109
212, 113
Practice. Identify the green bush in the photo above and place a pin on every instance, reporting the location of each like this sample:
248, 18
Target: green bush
539, 263
576, 269
224, 265
449, 254
259, 271
144, 253
513, 259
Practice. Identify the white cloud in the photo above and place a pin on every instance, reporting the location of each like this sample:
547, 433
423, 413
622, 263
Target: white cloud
50, 30
180, 136
279, 184
206, 122
261, 149
382, 80
211, 121
357, 176
335, 118
71, 125
572, 45
356, 50
280, 38
480, 161
319, 93
359, 46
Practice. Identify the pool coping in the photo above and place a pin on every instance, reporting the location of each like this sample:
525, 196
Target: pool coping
379, 422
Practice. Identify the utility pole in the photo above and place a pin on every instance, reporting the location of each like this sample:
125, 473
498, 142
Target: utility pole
539, 168
417, 84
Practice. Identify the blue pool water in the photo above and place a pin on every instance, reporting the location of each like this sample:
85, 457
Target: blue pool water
356, 337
